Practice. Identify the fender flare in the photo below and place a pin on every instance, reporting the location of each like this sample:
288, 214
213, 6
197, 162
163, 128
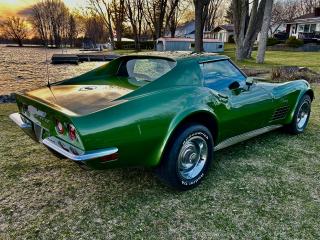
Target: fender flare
177, 120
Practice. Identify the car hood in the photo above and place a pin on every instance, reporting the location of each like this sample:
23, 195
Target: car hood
80, 99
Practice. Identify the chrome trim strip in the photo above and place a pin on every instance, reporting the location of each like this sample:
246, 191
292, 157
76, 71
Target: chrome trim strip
16, 118
84, 157
245, 136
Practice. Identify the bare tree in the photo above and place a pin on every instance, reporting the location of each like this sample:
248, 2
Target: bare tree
94, 28
50, 19
103, 8
72, 30
229, 14
264, 31
174, 12
283, 11
247, 25
201, 11
135, 16
156, 12
212, 14
118, 13
307, 6
15, 28
40, 22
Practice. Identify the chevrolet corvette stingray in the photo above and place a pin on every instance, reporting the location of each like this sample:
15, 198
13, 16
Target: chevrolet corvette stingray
163, 113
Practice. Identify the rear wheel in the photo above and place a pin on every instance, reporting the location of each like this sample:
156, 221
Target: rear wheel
187, 157
301, 116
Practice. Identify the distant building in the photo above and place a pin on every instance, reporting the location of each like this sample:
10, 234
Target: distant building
306, 27
226, 32
185, 30
223, 32
187, 44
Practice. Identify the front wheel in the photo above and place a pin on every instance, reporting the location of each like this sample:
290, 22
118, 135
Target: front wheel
301, 116
187, 157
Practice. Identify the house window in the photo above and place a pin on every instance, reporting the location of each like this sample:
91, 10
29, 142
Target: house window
301, 28
306, 28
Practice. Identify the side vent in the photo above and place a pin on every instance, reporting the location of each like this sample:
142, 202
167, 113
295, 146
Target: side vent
280, 113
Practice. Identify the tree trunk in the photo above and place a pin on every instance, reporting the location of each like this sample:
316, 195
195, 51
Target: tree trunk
172, 32
241, 52
136, 38
264, 31
19, 42
247, 26
198, 47
119, 33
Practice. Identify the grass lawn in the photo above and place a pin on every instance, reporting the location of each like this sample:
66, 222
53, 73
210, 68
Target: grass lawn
264, 188
273, 58
279, 58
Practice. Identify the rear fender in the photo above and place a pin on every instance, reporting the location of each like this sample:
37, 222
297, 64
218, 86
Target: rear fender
175, 123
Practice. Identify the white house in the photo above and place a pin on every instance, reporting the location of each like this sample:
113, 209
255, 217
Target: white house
223, 32
306, 27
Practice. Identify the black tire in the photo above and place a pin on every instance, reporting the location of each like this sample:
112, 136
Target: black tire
297, 126
179, 154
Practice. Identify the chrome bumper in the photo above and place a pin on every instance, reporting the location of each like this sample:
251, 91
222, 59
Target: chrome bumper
60, 146
51, 142
16, 117
32, 130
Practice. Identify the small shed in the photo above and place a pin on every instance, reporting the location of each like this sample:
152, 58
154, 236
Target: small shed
187, 44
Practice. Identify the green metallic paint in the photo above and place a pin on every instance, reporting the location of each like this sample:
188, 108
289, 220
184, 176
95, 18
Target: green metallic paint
140, 120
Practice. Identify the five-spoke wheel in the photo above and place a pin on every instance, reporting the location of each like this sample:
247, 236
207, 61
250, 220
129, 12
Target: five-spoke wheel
187, 157
301, 116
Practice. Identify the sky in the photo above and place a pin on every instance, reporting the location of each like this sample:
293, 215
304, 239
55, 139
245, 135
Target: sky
12, 7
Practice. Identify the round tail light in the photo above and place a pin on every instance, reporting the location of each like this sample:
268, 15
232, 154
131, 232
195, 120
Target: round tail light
72, 132
59, 127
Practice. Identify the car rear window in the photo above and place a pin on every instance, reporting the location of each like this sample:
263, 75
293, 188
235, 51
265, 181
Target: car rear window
144, 70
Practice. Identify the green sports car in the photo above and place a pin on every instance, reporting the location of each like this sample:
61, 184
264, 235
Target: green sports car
163, 113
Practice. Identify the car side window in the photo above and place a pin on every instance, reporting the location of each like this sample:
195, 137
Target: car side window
220, 74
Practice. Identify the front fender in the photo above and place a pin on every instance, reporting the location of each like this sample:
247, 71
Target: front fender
297, 88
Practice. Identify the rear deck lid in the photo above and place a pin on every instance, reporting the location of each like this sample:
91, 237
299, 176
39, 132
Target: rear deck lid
80, 99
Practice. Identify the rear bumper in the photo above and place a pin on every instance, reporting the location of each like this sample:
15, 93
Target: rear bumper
63, 148
16, 117
30, 129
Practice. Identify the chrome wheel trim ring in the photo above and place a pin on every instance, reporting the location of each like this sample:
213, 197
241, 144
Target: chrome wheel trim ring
303, 114
192, 157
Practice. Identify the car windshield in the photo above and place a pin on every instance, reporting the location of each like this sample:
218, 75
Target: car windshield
140, 71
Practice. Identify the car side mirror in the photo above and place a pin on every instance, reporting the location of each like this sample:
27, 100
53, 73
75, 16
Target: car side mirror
234, 85
249, 81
